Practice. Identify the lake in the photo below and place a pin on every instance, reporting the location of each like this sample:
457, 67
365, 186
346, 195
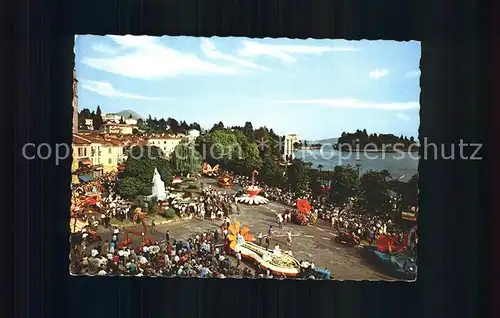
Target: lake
397, 164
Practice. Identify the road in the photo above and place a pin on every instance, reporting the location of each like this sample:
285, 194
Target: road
313, 242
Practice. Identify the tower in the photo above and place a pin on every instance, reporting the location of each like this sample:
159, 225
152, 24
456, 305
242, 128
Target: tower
75, 103
288, 145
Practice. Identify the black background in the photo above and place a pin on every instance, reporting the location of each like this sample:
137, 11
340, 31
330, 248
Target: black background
452, 265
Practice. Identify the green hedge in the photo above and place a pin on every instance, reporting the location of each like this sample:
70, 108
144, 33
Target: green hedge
169, 213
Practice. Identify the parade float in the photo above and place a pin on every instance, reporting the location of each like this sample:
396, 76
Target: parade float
251, 194
176, 180
304, 215
145, 240
208, 170
225, 181
240, 240
398, 259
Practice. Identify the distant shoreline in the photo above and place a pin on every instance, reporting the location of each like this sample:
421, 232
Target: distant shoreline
365, 150
310, 148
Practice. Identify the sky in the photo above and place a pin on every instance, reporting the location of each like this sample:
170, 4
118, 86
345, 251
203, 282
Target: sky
314, 88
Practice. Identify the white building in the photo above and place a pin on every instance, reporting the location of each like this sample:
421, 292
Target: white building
288, 150
111, 118
192, 134
165, 142
123, 129
131, 121
89, 124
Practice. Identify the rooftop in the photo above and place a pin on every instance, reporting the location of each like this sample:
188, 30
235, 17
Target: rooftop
80, 140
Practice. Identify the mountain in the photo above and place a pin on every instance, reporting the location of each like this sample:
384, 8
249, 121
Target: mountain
332, 141
127, 112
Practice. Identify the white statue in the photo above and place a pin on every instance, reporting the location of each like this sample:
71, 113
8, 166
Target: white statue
158, 189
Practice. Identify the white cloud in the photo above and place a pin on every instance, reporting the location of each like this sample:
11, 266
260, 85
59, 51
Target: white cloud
106, 89
105, 49
285, 52
353, 103
378, 73
145, 58
412, 74
209, 49
403, 117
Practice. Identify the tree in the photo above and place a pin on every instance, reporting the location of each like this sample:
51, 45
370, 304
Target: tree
218, 126
185, 159
248, 131
344, 186
270, 172
162, 125
97, 119
251, 158
376, 198
140, 166
173, 124
122, 121
315, 184
410, 197
196, 126
183, 126
218, 147
82, 115
130, 116
298, 178
128, 187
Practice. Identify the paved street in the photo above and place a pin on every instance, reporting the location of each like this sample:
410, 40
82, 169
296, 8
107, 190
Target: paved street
314, 243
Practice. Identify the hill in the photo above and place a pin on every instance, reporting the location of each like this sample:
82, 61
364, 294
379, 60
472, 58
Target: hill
127, 112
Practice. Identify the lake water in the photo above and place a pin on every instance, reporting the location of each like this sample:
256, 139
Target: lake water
397, 164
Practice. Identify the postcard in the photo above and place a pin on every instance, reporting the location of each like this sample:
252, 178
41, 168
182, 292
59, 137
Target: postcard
245, 158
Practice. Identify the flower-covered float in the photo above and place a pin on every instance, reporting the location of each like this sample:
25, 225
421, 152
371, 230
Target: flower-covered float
398, 258
303, 214
225, 181
252, 194
208, 170
278, 263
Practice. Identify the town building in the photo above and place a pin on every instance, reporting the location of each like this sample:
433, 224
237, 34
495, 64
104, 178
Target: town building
166, 143
111, 118
192, 134
131, 121
83, 167
288, 146
88, 124
122, 129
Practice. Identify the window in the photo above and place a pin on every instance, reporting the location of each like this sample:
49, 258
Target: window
165, 142
109, 161
109, 151
80, 152
85, 152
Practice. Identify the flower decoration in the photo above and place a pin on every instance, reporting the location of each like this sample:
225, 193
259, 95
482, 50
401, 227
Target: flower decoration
235, 231
303, 206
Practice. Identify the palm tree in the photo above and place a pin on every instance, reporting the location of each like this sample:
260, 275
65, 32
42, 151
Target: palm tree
320, 167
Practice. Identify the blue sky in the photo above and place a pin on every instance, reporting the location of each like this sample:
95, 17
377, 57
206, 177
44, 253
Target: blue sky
315, 88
